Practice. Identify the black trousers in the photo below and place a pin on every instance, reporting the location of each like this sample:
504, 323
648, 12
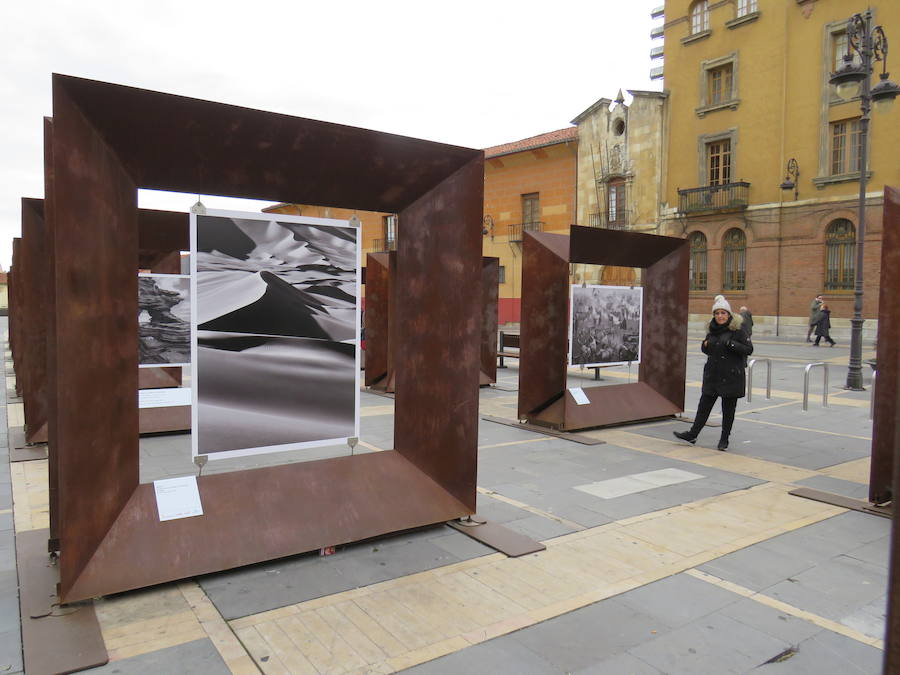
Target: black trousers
704, 407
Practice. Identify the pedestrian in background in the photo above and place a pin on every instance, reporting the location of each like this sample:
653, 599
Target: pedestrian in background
748, 321
727, 348
823, 326
813, 315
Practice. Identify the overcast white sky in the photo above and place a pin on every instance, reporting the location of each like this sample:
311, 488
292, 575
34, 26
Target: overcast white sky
475, 74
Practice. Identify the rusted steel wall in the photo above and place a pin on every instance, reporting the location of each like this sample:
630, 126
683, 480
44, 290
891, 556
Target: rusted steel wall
439, 330
490, 292
544, 329
34, 316
377, 322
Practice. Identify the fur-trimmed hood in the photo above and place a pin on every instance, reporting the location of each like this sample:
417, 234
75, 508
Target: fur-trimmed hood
735, 324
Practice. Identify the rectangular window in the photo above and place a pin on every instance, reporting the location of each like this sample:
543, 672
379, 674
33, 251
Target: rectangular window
718, 156
745, 7
389, 226
616, 203
719, 84
845, 146
502, 274
531, 211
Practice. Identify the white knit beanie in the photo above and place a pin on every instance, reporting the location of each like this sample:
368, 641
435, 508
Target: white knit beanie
721, 303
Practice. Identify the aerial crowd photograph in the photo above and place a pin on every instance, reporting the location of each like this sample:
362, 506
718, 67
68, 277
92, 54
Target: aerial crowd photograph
504, 340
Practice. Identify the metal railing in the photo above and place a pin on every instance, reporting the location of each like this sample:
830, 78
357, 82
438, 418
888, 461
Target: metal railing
725, 197
517, 230
384, 245
809, 367
602, 220
752, 363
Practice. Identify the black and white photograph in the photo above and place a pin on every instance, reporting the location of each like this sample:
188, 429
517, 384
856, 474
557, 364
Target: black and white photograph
605, 327
276, 333
164, 320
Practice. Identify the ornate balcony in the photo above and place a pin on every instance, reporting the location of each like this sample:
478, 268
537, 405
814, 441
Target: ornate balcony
725, 197
516, 230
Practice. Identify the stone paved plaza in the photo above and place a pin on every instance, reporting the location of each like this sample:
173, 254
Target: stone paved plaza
661, 557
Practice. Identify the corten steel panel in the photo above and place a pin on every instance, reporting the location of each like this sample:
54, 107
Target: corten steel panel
261, 514
544, 330
171, 418
159, 378
52, 380
94, 221
34, 315
197, 146
377, 321
887, 386
16, 301
168, 142
490, 292
439, 331
887, 402
660, 389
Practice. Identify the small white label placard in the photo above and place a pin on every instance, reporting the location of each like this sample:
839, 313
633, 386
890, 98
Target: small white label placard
164, 398
579, 396
177, 498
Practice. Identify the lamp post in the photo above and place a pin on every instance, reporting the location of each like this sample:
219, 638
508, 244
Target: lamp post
792, 178
871, 46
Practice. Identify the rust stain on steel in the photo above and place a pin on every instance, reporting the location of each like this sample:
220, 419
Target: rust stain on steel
490, 292
887, 387
107, 140
52, 379
439, 331
543, 338
377, 321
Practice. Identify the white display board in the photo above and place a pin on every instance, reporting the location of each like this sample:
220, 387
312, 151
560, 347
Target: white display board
275, 332
605, 325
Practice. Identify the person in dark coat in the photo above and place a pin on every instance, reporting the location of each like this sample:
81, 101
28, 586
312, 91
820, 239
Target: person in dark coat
813, 315
823, 326
747, 318
727, 348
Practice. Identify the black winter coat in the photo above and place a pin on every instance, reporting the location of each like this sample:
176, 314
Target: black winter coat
727, 349
823, 325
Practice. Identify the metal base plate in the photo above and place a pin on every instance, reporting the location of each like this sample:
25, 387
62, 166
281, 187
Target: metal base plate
500, 538
547, 431
54, 639
844, 502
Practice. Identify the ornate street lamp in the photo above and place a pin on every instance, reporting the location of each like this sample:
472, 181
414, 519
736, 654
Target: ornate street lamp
853, 79
792, 178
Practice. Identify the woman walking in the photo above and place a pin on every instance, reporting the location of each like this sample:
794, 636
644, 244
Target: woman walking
823, 326
727, 348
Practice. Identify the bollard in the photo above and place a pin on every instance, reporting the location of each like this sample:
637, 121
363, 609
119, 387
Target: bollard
806, 370
750, 378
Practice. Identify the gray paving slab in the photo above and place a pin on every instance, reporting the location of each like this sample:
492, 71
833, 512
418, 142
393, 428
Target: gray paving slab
287, 581
714, 644
876, 552
11, 650
539, 528
828, 653
678, 600
620, 664
495, 656
198, 656
783, 626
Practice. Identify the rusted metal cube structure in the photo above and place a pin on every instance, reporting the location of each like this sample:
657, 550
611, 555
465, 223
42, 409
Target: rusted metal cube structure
105, 142
659, 391
381, 337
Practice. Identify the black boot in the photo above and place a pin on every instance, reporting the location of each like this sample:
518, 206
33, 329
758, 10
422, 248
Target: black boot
723, 444
686, 436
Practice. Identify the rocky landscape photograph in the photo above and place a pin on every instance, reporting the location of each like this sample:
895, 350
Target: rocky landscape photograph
164, 319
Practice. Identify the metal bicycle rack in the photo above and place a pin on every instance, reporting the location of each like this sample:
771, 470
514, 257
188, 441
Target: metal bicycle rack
809, 367
872, 395
752, 363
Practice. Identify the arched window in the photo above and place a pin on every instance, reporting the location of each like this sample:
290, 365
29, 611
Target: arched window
735, 248
698, 261
699, 16
840, 255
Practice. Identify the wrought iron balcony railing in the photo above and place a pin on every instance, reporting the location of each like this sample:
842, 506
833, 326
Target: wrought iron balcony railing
516, 230
384, 245
602, 220
725, 197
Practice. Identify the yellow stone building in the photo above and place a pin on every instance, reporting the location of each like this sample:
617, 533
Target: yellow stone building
749, 92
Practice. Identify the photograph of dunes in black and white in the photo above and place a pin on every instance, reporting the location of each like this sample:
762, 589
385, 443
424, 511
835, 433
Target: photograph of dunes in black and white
276, 334
164, 320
